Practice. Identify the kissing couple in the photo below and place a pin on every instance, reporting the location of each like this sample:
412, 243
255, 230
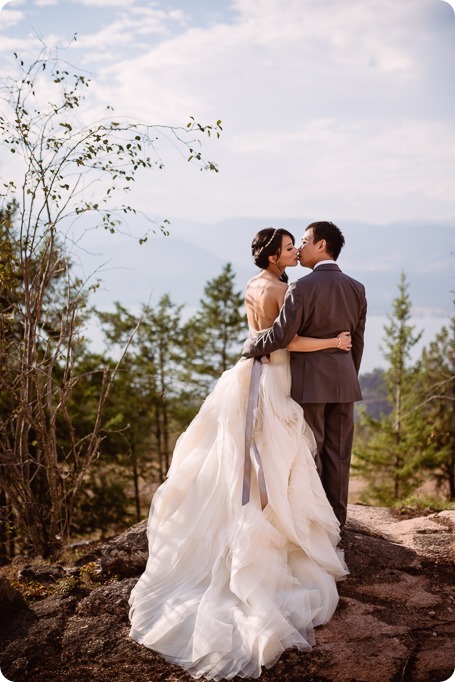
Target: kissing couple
244, 532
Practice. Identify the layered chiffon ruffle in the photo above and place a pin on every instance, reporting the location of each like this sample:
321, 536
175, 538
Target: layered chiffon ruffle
228, 587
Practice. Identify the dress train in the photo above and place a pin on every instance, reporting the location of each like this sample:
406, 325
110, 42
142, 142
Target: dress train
228, 587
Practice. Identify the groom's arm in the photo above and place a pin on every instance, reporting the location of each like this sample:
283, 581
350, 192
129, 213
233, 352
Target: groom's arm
284, 328
358, 336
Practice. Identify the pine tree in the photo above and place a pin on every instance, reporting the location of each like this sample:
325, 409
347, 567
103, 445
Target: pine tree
147, 404
399, 341
433, 418
215, 333
383, 453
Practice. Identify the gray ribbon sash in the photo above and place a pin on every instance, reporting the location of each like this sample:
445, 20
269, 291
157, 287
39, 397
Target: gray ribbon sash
250, 445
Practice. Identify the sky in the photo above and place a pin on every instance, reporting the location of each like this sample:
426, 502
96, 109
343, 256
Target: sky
331, 109
341, 108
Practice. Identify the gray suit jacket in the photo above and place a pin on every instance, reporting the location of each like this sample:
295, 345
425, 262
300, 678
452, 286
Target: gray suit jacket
321, 305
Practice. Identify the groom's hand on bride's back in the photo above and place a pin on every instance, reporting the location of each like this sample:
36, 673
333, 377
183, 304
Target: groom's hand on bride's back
249, 349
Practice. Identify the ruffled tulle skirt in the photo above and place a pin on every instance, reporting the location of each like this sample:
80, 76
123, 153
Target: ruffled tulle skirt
228, 587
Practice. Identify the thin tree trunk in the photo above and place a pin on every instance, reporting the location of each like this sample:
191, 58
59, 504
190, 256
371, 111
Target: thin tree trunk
159, 440
451, 475
3, 529
136, 484
398, 439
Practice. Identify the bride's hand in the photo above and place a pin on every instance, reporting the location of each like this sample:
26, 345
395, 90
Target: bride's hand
345, 341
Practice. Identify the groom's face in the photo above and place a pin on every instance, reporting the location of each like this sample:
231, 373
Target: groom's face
309, 254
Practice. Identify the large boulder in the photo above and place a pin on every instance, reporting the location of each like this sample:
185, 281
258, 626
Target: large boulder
123, 556
11, 600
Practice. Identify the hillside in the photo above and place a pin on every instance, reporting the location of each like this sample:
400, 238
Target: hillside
193, 253
394, 623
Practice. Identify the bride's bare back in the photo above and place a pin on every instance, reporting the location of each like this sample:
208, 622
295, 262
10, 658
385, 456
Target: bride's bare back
264, 297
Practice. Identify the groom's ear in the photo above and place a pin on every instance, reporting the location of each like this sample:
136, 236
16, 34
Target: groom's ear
322, 245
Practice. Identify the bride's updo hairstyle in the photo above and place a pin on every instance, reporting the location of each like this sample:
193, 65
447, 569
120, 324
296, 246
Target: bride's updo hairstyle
267, 243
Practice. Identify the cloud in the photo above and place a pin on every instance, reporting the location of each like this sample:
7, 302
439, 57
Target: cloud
10, 45
10, 17
294, 59
105, 3
130, 27
346, 106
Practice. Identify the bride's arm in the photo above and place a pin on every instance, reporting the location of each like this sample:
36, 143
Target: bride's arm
306, 344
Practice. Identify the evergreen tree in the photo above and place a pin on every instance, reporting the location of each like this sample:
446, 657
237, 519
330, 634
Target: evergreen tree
384, 449
146, 405
433, 418
399, 340
104, 503
215, 333
160, 339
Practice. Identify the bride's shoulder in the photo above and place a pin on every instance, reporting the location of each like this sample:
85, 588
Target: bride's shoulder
261, 280
254, 280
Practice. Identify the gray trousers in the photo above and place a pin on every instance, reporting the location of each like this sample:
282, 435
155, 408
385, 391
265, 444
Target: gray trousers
333, 428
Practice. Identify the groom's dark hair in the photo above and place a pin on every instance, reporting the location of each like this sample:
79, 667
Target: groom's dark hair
332, 234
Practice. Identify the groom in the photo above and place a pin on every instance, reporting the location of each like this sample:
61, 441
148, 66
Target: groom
325, 383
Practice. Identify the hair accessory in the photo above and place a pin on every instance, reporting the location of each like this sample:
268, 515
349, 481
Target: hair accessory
261, 249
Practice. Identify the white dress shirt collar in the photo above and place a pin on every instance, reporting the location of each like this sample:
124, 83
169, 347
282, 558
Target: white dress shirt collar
324, 262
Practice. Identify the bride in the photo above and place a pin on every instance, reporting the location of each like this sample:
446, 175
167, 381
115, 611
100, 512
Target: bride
242, 540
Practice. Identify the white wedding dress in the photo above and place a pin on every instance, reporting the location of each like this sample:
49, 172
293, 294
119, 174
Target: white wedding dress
229, 586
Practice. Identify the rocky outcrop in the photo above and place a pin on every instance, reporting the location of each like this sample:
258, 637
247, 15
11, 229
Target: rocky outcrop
395, 621
11, 600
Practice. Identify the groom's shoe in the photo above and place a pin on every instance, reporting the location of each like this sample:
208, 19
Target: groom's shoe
342, 542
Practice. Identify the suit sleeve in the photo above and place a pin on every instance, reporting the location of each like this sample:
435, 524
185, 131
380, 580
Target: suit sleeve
358, 335
284, 328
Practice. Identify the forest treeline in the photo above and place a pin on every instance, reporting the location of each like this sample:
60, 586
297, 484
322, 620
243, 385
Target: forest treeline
95, 430
405, 432
86, 436
65, 460
90, 434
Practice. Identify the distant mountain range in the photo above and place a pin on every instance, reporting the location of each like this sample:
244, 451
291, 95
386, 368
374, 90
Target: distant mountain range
182, 263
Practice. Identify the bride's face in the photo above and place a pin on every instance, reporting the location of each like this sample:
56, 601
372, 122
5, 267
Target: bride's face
288, 257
